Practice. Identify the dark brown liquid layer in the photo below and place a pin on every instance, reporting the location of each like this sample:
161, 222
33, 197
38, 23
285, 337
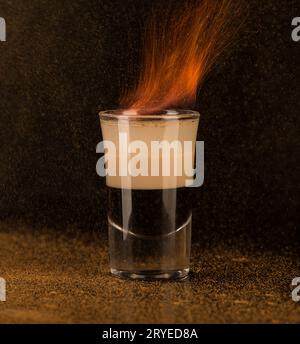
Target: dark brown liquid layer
149, 212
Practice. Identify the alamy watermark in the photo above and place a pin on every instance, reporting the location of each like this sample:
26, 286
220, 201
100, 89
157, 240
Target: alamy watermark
296, 30
2, 290
296, 291
154, 159
2, 30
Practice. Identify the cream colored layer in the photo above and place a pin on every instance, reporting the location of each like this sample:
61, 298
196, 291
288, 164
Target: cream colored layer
149, 131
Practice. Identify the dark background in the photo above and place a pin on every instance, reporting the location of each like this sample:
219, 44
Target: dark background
65, 60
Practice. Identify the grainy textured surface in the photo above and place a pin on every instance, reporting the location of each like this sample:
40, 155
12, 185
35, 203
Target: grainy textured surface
56, 279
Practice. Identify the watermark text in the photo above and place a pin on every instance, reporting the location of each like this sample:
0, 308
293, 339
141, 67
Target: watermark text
2, 30
2, 290
296, 291
155, 159
296, 30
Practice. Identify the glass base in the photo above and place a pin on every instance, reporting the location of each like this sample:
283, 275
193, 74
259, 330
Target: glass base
151, 275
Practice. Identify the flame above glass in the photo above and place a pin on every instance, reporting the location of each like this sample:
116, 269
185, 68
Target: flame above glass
180, 48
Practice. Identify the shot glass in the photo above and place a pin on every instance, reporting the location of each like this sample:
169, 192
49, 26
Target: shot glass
149, 164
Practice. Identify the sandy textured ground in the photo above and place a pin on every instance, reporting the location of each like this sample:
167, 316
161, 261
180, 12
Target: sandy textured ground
55, 279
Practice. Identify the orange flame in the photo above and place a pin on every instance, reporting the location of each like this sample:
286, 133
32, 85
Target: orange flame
180, 50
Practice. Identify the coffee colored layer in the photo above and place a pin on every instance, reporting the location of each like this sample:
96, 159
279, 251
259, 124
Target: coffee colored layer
149, 131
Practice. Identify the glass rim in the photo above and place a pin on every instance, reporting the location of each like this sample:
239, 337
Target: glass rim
163, 115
